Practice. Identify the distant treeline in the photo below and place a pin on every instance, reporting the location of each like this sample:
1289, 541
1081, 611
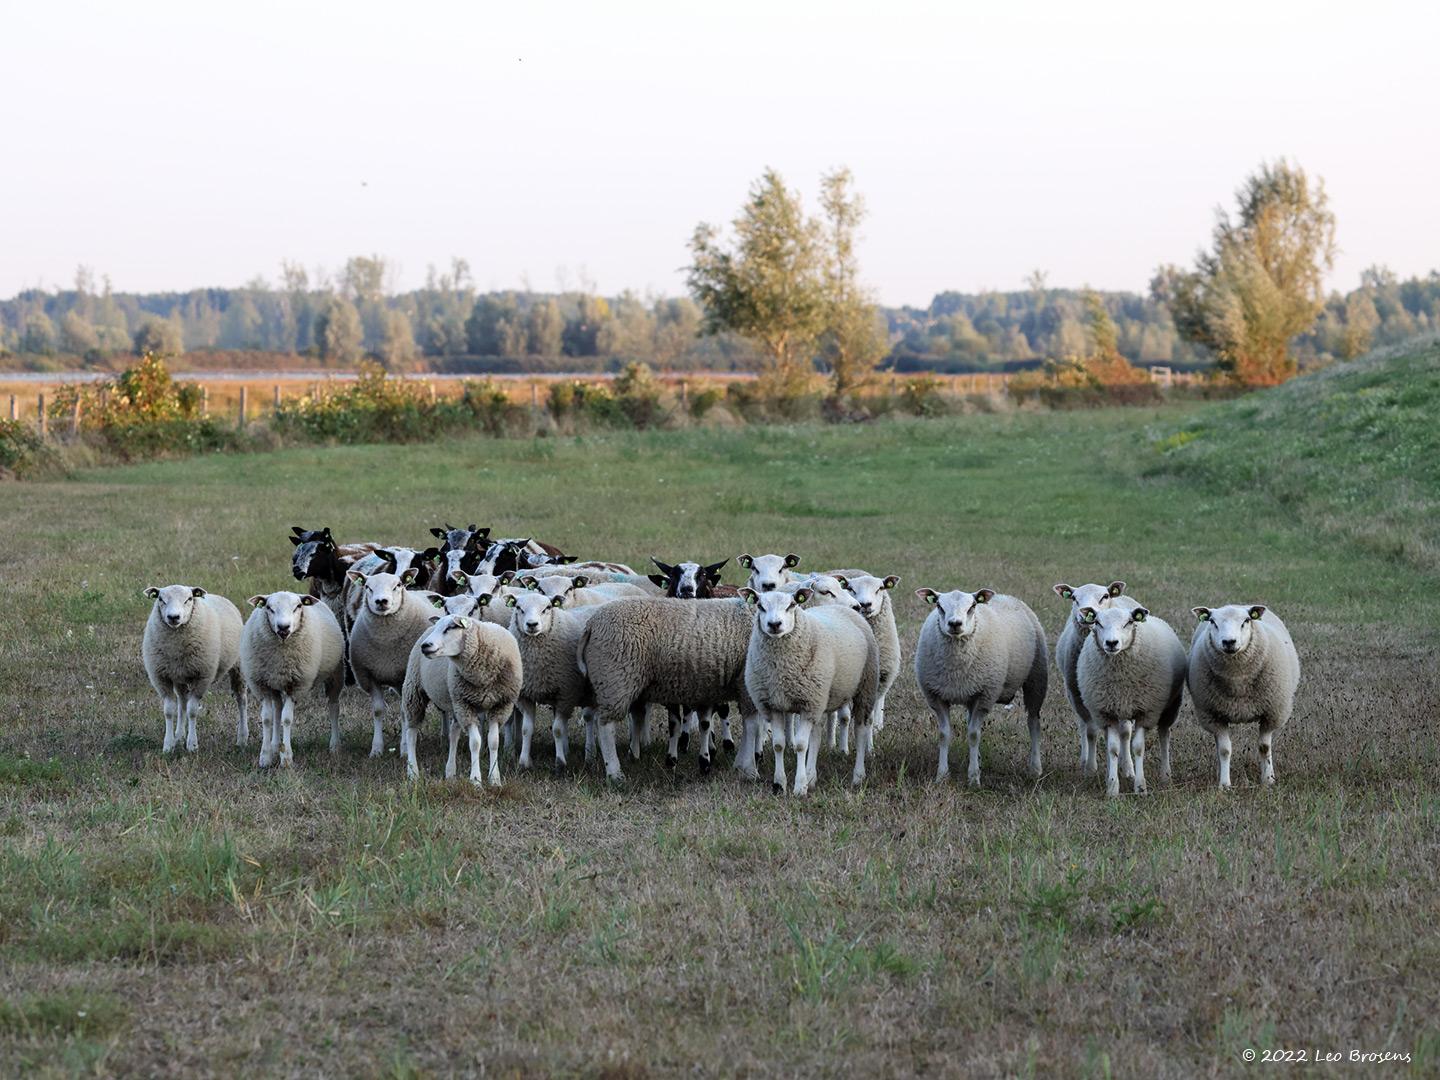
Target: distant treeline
338, 320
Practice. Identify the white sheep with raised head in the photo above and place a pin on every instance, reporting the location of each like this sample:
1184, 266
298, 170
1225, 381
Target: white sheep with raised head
291, 644
978, 650
1067, 656
391, 619
1243, 670
191, 640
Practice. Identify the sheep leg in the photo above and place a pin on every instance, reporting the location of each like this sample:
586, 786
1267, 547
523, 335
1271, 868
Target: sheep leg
1092, 741
1127, 730
494, 741
560, 732
1222, 755
843, 716
333, 691
879, 713
192, 709
377, 712
1267, 755
407, 747
170, 705
242, 706
587, 716
636, 724
832, 727
1112, 751
1035, 767
1137, 743
708, 742
672, 749
747, 757
474, 732
1165, 753
977, 720
942, 719
728, 738
450, 762
804, 729
267, 731
812, 760
1087, 746
778, 723
688, 727
862, 744
608, 751
287, 719
527, 731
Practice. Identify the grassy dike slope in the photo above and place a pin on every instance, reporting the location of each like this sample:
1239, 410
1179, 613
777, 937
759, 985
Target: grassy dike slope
209, 919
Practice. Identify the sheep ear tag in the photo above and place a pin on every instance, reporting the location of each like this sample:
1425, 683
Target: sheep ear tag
1256, 611
462, 622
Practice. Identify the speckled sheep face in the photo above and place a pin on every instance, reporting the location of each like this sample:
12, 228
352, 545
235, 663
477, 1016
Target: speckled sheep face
534, 612
384, 593
1114, 627
956, 609
867, 594
284, 611
1088, 596
304, 555
446, 637
1230, 627
768, 572
775, 612
175, 603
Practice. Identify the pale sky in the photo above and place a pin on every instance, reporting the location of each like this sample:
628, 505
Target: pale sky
175, 145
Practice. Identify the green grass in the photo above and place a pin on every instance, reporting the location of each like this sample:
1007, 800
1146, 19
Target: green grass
336, 919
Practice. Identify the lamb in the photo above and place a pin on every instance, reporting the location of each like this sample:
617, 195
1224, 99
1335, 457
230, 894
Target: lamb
291, 643
482, 678
192, 638
1243, 670
391, 619
1132, 677
870, 596
548, 634
665, 652
1067, 656
978, 650
578, 590
809, 663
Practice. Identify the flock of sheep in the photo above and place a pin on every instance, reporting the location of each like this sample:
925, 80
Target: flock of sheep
486, 630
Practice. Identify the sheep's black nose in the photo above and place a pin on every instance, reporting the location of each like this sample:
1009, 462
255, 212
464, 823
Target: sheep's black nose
1228, 644
173, 620
532, 626
774, 626
866, 609
687, 594
766, 587
954, 625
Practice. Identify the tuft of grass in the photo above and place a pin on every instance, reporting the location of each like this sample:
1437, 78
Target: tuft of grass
62, 1014
48, 776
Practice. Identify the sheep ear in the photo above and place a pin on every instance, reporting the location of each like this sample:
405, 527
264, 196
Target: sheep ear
459, 577
1201, 613
792, 559
433, 619
462, 622
437, 532
930, 596
409, 576
437, 601
256, 601
308, 601
479, 532
751, 596
558, 601
296, 540
662, 567
153, 593
325, 533
507, 577
510, 600
891, 581
984, 596
483, 600
1139, 615
802, 595
297, 530
1256, 611
529, 582
198, 592
580, 581
1087, 615
843, 583
1065, 592
713, 570
355, 576
659, 579
1116, 588
747, 561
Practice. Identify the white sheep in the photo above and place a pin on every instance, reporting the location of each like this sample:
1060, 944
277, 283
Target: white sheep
1132, 678
686, 653
482, 679
579, 591
191, 639
809, 663
977, 650
870, 596
768, 572
1243, 670
291, 643
1067, 656
391, 620
548, 634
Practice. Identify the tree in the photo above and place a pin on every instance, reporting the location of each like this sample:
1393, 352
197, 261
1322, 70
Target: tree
544, 329
39, 336
77, 336
855, 338
768, 286
1104, 363
1260, 285
338, 332
397, 343
159, 337
1361, 321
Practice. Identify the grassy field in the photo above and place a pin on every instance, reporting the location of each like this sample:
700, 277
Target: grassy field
193, 916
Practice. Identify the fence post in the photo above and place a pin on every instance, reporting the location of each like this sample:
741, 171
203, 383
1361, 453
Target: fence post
75, 416
684, 395
432, 393
534, 394
14, 408
277, 397
242, 406
44, 423
204, 401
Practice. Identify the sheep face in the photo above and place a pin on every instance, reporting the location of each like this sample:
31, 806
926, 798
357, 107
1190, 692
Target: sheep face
553, 585
459, 604
768, 572
384, 593
687, 580
175, 603
534, 611
956, 609
1231, 627
1088, 596
482, 584
826, 586
1113, 627
446, 637
867, 594
284, 611
775, 612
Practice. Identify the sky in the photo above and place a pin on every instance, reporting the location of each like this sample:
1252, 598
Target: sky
555, 145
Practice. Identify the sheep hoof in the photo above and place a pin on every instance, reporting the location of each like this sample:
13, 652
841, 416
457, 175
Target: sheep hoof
778, 788
704, 766
684, 741
671, 762
729, 745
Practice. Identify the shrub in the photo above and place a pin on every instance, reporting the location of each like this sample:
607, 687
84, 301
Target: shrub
22, 452
374, 408
921, 396
637, 393
705, 400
